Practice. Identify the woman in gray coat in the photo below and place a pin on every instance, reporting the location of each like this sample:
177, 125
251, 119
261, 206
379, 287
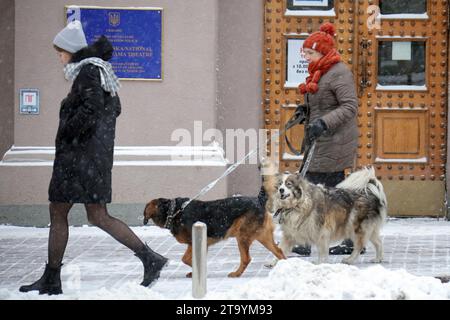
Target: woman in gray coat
331, 108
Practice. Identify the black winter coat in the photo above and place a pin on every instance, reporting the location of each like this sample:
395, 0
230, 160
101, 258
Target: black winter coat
85, 138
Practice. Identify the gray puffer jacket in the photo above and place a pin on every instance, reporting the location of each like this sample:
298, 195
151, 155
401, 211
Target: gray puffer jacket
336, 103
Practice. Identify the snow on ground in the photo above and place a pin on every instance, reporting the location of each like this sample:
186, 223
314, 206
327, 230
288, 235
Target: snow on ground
128, 291
12, 232
295, 278
299, 279
416, 226
292, 279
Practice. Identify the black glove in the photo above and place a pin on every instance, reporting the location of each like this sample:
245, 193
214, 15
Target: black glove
315, 129
300, 111
299, 117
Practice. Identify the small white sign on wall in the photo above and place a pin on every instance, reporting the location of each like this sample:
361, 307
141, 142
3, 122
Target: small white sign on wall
311, 3
297, 66
29, 101
401, 50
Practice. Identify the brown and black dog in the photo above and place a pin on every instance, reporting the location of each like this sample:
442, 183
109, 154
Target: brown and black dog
244, 218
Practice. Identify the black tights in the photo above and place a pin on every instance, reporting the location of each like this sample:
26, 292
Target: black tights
97, 215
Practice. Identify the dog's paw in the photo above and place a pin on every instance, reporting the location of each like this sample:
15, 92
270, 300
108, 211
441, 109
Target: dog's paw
376, 260
234, 274
189, 275
272, 264
347, 261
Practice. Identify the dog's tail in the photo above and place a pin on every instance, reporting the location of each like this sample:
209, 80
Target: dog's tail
262, 197
365, 180
269, 172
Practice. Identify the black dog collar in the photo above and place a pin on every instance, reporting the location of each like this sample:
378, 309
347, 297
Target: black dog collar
171, 214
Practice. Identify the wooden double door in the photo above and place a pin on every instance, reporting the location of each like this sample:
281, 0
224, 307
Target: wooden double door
398, 52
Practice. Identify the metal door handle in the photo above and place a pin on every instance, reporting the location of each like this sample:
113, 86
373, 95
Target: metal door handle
364, 83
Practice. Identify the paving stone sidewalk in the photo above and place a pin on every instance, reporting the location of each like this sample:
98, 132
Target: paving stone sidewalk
421, 246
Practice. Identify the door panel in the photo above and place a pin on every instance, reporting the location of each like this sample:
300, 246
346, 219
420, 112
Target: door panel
400, 136
398, 52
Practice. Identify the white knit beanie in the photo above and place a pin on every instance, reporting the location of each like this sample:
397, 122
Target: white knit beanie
71, 38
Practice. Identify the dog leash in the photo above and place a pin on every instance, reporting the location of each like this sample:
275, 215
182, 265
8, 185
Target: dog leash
170, 217
307, 162
173, 214
298, 118
295, 119
227, 172
303, 170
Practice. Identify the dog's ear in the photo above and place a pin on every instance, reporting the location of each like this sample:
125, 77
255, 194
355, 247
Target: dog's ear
270, 183
298, 192
151, 210
298, 178
269, 167
298, 182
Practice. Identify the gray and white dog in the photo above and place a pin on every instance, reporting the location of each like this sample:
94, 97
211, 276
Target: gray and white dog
313, 214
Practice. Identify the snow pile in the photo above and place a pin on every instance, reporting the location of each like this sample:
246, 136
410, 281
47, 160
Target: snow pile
409, 244
298, 279
127, 291
292, 279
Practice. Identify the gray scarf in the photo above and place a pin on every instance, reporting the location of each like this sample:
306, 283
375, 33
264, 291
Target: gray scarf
109, 80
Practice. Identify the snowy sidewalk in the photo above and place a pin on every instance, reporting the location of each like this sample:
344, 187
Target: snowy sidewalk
97, 267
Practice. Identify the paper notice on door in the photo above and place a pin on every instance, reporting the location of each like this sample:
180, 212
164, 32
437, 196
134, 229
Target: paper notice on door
297, 66
401, 50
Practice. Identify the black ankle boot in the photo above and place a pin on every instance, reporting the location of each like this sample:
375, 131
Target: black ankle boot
153, 264
302, 250
49, 283
346, 247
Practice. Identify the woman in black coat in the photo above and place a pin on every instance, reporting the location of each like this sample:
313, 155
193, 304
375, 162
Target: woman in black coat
84, 155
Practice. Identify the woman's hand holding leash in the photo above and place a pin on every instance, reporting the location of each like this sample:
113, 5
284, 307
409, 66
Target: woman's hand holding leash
315, 130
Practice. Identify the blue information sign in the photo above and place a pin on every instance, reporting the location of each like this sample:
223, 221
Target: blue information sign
136, 34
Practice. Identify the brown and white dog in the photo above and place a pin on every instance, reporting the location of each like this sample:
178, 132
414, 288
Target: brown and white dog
244, 218
313, 214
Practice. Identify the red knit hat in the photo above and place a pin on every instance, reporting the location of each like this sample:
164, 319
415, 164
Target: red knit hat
323, 40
